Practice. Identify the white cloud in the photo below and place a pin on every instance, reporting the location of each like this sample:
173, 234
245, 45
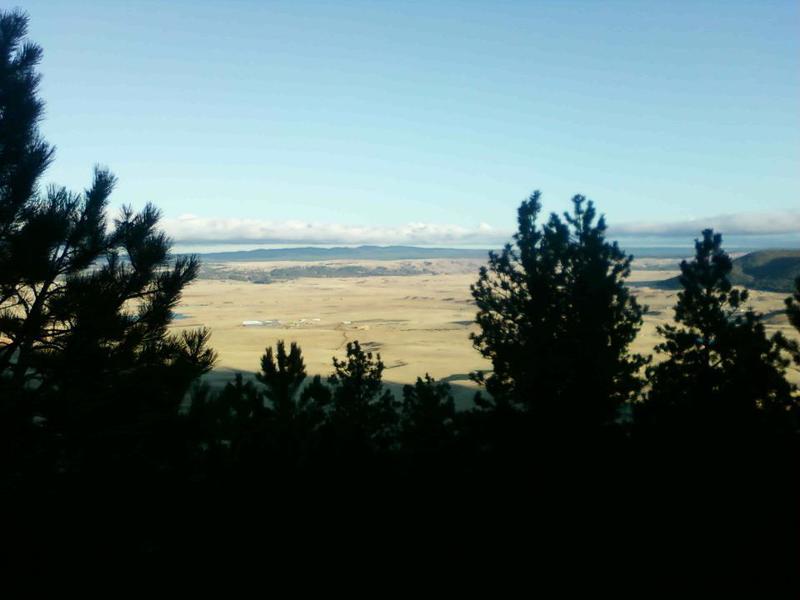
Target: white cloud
192, 229
208, 230
774, 223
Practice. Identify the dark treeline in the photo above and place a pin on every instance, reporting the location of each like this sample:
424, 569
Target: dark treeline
576, 445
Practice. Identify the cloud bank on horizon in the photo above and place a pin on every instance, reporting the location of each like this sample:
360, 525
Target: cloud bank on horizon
192, 229
210, 230
744, 224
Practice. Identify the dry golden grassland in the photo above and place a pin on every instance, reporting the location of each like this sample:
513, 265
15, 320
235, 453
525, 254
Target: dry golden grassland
418, 323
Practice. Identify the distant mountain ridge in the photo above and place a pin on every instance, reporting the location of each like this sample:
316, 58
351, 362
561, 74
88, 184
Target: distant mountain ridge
769, 270
372, 252
311, 253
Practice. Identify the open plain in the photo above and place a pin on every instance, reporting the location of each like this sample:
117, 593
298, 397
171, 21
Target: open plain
417, 314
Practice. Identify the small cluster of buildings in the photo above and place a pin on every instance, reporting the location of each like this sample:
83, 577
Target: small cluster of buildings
279, 323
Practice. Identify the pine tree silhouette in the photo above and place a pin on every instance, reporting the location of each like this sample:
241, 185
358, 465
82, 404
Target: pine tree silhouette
361, 408
557, 320
84, 308
283, 377
721, 371
793, 306
427, 418
296, 412
793, 312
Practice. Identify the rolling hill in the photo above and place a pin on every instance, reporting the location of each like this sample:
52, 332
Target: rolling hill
769, 270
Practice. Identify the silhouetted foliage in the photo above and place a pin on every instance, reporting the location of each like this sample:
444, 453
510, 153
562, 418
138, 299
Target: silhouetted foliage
283, 375
317, 393
793, 306
793, 312
721, 371
274, 423
24, 155
84, 308
94, 430
296, 412
557, 320
427, 418
361, 408
244, 404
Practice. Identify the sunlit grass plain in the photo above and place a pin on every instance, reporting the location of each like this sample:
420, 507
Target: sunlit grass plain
418, 323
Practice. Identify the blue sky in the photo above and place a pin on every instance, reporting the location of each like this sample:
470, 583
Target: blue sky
427, 122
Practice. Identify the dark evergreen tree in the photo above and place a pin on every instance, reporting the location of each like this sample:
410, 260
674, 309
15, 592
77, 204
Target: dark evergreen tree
793, 312
276, 423
317, 394
283, 377
721, 371
793, 305
361, 408
427, 418
557, 320
24, 155
244, 405
210, 420
84, 311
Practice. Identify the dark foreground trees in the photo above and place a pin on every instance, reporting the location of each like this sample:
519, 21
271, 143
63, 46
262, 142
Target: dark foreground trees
91, 381
428, 416
362, 409
84, 304
557, 320
104, 455
281, 413
793, 312
793, 306
715, 435
721, 371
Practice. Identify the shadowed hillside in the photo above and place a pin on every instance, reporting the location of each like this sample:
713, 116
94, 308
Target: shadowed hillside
770, 270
